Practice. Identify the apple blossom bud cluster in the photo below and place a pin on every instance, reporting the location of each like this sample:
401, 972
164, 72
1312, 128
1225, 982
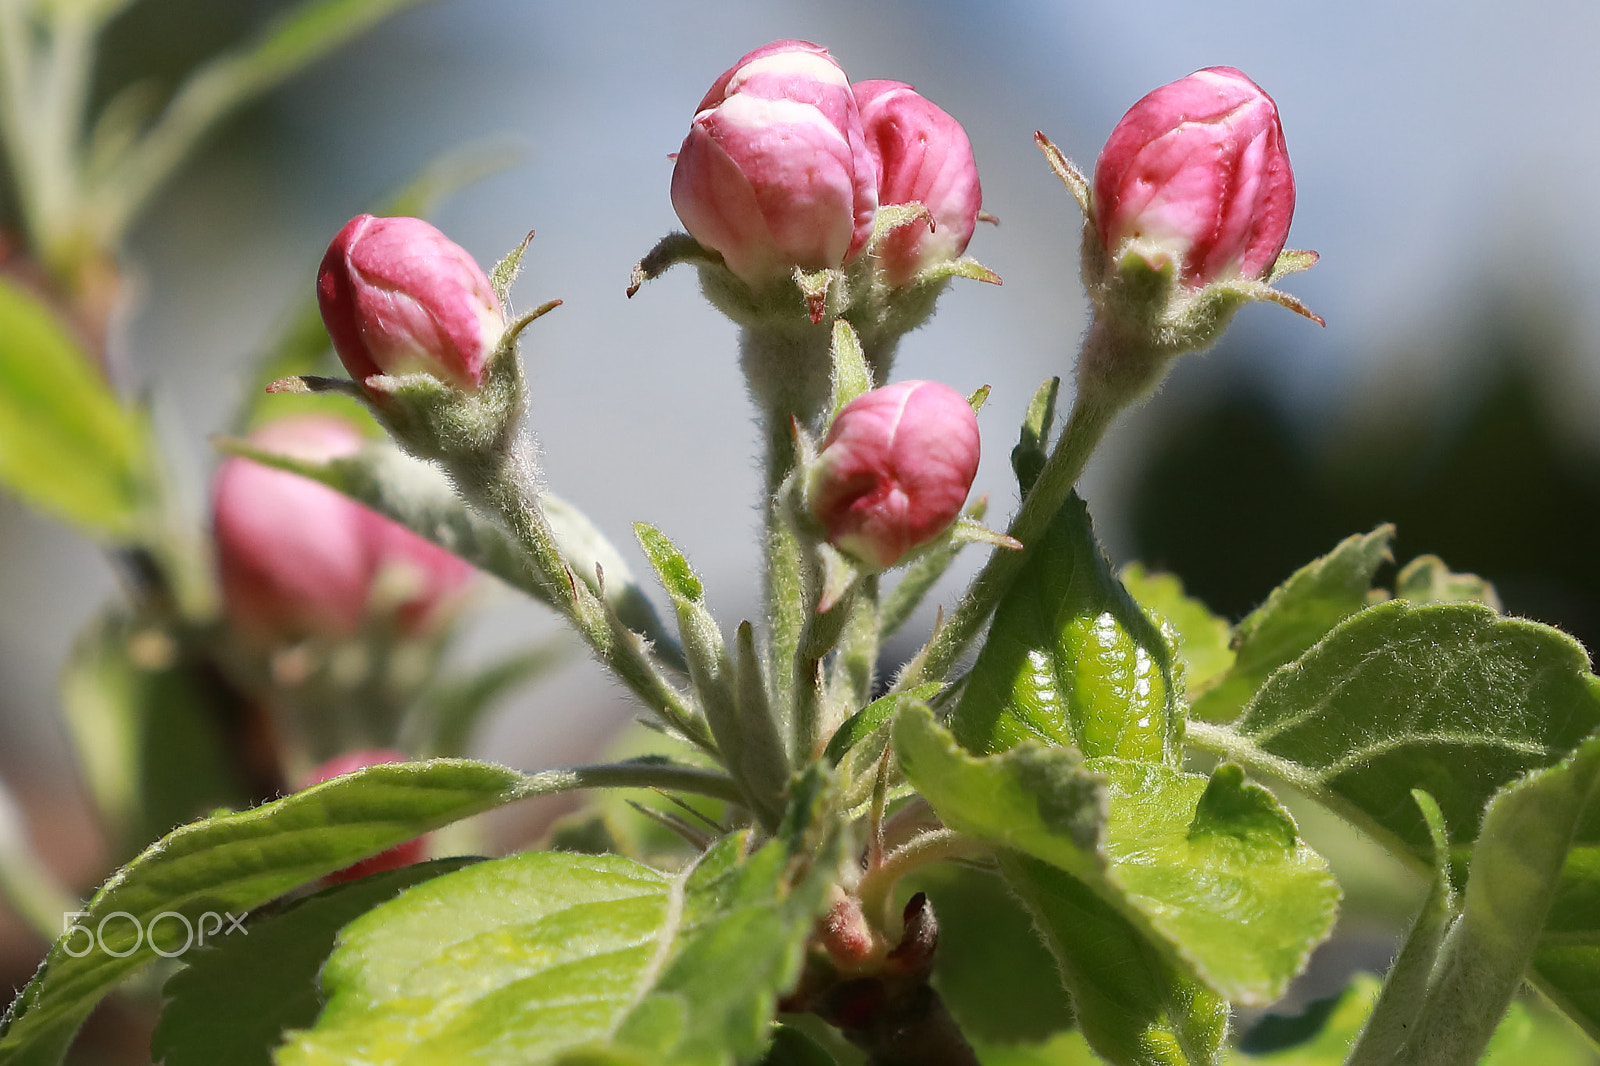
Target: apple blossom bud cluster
298, 560
1196, 175
894, 470
407, 854
399, 297
786, 165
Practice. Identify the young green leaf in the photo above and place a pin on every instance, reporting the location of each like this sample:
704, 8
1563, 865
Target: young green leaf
271, 966
1566, 965
1426, 579
1298, 614
144, 723
1202, 636
1133, 1004
1033, 444
1212, 872
997, 978
67, 446
851, 375
1072, 659
545, 955
232, 862
1451, 698
1516, 866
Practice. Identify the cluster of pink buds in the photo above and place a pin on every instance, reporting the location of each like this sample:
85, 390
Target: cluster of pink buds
894, 470
786, 165
299, 560
399, 297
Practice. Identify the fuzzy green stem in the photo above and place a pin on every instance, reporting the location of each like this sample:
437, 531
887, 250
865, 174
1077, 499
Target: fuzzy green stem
668, 777
1092, 413
510, 487
876, 890
783, 581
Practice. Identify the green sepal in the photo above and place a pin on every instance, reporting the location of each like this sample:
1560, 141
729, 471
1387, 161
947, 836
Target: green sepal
1033, 444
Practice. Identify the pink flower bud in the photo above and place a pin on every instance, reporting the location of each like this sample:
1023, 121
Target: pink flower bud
412, 851
895, 469
399, 297
922, 155
775, 173
1197, 173
297, 559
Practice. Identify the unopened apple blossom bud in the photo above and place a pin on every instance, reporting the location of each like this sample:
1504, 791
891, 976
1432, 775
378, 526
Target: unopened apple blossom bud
894, 470
775, 173
412, 851
297, 559
922, 155
1196, 175
399, 297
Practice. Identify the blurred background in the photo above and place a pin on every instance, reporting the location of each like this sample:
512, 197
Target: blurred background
1447, 160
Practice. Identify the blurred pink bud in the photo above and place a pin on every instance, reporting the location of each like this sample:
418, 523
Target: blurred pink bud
298, 559
1197, 173
412, 851
895, 469
922, 155
775, 173
399, 297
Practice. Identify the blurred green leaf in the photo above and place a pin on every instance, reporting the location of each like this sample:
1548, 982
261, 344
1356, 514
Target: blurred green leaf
455, 706
1203, 638
218, 88
1072, 659
1033, 442
872, 718
67, 446
237, 995
145, 722
1211, 872
1296, 615
1449, 698
544, 955
235, 861
1332, 1042
1426, 579
1566, 965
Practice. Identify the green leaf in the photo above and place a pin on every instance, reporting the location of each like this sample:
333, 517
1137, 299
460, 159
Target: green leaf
996, 977
233, 862
553, 957
1133, 1005
1566, 965
67, 446
1033, 444
1067, 1049
457, 705
1203, 638
851, 376
218, 88
791, 1047
1332, 1042
873, 717
1516, 865
1426, 579
145, 726
1450, 698
1211, 871
677, 576
237, 995
1297, 615
1072, 659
